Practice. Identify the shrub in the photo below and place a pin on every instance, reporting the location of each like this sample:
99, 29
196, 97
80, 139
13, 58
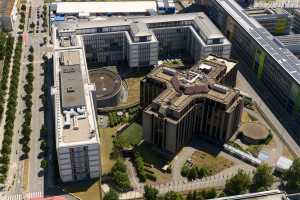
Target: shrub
185, 170
151, 177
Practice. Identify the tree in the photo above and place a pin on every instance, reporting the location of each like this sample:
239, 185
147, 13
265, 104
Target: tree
31, 49
238, 184
30, 57
292, 176
171, 195
6, 149
185, 170
32, 25
150, 192
121, 180
43, 145
21, 26
209, 194
111, 195
25, 149
119, 166
44, 164
23, 7
262, 178
193, 173
5, 159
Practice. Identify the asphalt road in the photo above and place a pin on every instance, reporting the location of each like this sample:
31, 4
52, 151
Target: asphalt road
36, 174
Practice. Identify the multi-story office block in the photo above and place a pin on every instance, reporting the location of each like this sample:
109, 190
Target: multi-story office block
259, 55
296, 23
141, 41
77, 139
291, 42
194, 102
276, 20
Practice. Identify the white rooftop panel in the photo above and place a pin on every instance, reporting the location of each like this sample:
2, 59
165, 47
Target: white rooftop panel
105, 7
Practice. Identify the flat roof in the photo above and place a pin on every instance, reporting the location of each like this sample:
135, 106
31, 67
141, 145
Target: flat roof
72, 93
253, 12
76, 125
207, 27
107, 83
289, 39
193, 83
287, 60
105, 7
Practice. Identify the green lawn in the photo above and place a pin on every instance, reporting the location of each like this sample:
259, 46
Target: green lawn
131, 136
84, 190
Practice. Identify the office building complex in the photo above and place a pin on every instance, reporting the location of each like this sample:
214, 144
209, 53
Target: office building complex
77, 139
276, 20
259, 55
141, 41
296, 24
195, 102
8, 14
291, 42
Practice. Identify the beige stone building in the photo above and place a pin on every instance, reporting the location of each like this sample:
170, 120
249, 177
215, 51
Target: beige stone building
181, 104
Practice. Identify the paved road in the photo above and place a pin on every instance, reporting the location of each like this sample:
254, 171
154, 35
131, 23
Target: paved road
36, 174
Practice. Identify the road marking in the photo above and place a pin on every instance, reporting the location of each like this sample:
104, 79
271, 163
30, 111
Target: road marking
34, 195
29, 196
15, 197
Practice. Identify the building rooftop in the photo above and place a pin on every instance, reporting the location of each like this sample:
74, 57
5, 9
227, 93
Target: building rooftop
104, 7
255, 12
107, 83
288, 40
139, 29
75, 117
202, 80
72, 93
204, 26
288, 61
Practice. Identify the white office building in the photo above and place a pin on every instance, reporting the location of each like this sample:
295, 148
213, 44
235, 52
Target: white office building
77, 137
142, 41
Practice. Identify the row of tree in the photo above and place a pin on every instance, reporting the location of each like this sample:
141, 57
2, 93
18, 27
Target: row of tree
5, 71
242, 183
22, 18
44, 88
194, 172
120, 176
263, 180
44, 16
3, 38
11, 111
28, 88
143, 173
